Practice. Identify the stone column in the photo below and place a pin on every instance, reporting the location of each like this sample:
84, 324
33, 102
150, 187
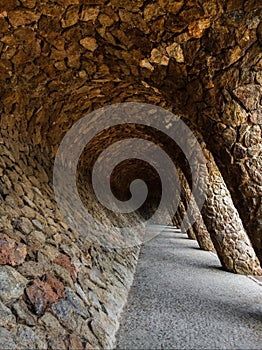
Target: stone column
225, 226
185, 226
211, 74
198, 226
175, 221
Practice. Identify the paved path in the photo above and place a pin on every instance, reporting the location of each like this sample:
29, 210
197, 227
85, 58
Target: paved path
182, 299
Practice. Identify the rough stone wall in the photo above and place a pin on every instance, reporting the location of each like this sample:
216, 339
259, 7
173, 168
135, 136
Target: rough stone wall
203, 56
57, 291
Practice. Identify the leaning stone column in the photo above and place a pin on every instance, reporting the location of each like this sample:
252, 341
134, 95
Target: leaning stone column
212, 76
177, 219
225, 226
198, 226
185, 226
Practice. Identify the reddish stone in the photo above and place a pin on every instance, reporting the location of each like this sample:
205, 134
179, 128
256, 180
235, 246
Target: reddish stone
41, 295
56, 285
64, 261
5, 249
11, 252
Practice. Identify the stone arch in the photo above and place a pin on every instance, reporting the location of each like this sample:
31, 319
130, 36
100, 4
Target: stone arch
58, 46
62, 59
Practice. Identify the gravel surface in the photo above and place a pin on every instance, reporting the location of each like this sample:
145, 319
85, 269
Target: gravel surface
182, 299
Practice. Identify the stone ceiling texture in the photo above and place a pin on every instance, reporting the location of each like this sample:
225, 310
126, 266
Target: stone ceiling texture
62, 59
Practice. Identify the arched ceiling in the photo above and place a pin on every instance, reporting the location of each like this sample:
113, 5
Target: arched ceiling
201, 59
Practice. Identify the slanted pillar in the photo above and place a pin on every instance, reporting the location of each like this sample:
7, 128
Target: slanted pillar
225, 226
185, 226
198, 225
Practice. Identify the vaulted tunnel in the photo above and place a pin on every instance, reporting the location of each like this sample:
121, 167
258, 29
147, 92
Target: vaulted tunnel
60, 61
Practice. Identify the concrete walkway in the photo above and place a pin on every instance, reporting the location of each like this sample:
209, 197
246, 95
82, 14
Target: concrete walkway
182, 299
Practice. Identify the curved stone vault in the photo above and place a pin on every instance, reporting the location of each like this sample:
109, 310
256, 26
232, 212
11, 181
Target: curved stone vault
62, 59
